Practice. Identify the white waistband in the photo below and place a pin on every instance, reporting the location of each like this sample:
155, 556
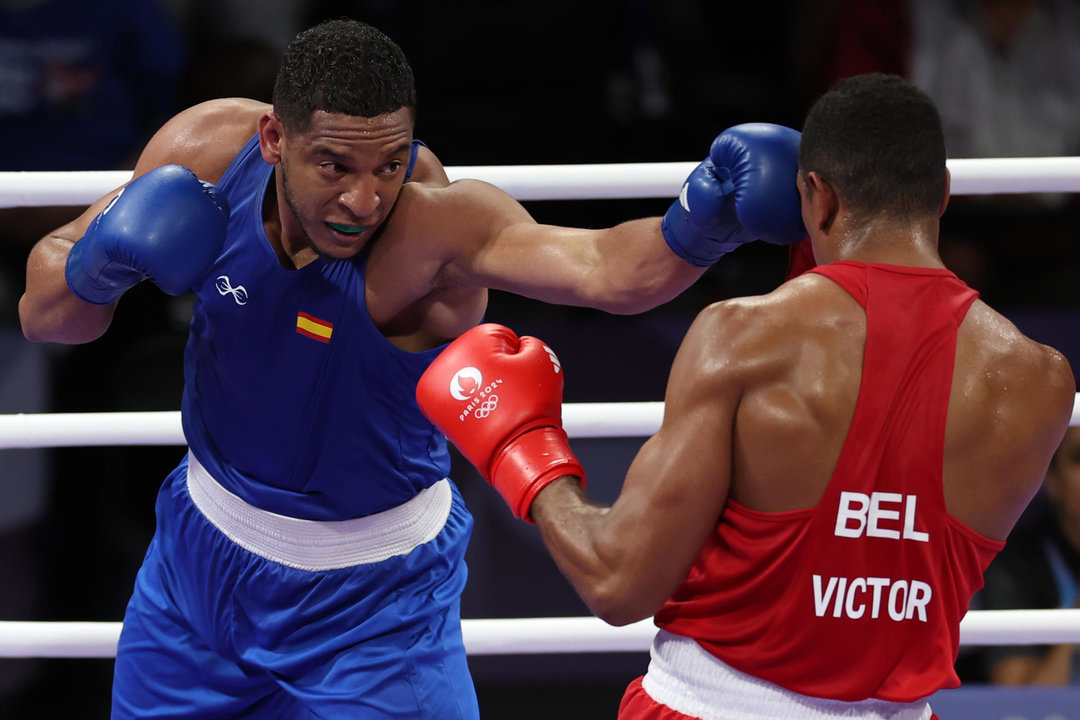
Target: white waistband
686, 678
316, 545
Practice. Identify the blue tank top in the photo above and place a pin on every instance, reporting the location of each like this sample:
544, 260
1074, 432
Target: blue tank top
293, 399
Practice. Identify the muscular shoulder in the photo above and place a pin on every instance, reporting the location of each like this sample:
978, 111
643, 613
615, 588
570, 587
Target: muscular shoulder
205, 137
793, 358
1010, 365
780, 327
445, 221
466, 194
428, 169
1009, 407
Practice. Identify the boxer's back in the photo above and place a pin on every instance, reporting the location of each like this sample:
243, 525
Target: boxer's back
876, 470
1006, 402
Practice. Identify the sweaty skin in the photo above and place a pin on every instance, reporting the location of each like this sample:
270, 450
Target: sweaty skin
338, 186
758, 403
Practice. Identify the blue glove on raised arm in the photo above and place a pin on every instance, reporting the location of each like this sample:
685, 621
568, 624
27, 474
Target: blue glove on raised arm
166, 225
744, 191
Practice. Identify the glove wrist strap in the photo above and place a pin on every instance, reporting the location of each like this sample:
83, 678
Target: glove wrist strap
530, 463
690, 243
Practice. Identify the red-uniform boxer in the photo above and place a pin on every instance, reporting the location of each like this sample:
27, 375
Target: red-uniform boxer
838, 462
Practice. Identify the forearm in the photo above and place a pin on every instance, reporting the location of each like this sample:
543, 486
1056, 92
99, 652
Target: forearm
578, 535
743, 192
639, 270
48, 310
626, 560
165, 225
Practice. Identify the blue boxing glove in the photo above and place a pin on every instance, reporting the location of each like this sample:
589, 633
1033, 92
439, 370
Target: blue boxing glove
744, 191
166, 225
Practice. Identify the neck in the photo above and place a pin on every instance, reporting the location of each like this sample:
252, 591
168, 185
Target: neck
292, 249
914, 244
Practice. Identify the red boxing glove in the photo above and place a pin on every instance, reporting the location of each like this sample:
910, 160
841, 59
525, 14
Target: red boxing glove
498, 399
800, 259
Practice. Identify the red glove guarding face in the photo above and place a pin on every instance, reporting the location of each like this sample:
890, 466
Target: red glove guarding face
800, 258
498, 399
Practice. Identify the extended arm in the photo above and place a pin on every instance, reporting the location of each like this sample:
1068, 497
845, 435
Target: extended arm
625, 269
625, 560
745, 190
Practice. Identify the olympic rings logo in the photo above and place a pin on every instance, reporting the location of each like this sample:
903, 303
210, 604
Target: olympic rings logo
487, 407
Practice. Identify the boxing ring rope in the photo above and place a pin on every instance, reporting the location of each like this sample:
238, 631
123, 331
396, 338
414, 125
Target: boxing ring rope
610, 181
482, 636
493, 636
535, 636
36, 430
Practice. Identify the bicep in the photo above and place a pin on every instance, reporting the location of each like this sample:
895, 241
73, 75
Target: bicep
624, 269
492, 241
544, 262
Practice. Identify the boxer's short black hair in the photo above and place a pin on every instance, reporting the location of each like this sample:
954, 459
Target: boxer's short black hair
878, 141
342, 66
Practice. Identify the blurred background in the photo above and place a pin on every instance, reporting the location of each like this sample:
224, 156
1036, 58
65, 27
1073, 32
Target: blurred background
84, 85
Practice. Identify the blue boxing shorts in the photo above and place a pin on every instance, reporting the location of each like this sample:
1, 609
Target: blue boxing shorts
238, 612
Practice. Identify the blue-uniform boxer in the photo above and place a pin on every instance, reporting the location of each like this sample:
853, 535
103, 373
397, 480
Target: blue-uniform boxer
233, 625
308, 558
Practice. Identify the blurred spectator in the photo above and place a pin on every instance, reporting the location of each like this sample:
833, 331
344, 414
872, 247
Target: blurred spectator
236, 46
82, 86
1005, 75
1040, 568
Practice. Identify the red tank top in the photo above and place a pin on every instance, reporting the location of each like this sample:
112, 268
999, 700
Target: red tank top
860, 596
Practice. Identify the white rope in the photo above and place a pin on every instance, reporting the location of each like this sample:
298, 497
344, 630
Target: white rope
531, 636
59, 639
36, 430
32, 430
482, 637
604, 181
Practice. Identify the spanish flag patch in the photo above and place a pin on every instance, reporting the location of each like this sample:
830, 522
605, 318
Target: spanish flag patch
314, 328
